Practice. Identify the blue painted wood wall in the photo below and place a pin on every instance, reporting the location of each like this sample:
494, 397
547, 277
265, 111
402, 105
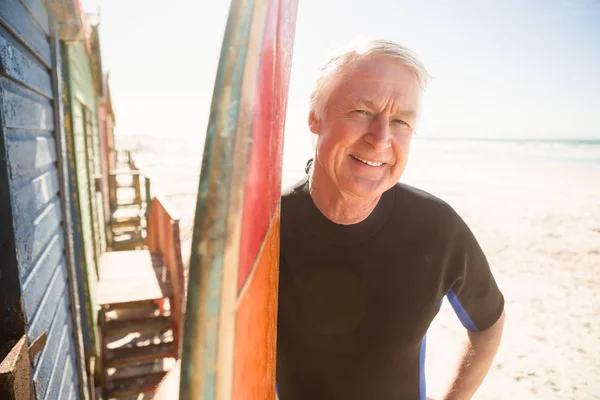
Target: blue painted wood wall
34, 276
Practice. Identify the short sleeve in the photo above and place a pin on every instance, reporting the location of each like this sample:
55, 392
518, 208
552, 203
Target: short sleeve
474, 294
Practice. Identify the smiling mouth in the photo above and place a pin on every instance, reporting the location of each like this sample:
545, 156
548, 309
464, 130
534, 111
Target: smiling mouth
371, 163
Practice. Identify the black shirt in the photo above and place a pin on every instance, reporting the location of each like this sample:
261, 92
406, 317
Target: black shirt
355, 301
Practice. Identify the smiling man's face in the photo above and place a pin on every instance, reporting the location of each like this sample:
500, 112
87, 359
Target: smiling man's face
365, 131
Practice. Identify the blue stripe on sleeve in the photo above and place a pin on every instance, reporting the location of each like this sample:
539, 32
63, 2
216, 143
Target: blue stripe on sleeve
460, 311
422, 381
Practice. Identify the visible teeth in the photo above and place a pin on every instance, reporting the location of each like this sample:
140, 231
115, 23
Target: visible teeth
371, 163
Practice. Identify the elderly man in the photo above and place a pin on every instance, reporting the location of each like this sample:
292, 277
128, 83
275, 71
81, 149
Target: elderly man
365, 260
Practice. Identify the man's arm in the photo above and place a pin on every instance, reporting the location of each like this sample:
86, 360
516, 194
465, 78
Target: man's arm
476, 361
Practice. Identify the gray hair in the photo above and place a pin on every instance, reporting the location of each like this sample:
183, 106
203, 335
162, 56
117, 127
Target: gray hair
358, 50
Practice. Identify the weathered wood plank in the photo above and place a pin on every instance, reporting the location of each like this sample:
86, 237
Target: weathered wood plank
79, 213
98, 199
53, 354
85, 204
20, 64
24, 109
128, 276
80, 74
78, 360
96, 145
24, 54
66, 381
133, 386
29, 153
11, 307
39, 12
38, 345
38, 279
81, 64
69, 19
86, 217
122, 356
32, 195
81, 97
15, 372
163, 237
101, 221
14, 15
32, 238
55, 299
76, 114
96, 60
57, 364
72, 395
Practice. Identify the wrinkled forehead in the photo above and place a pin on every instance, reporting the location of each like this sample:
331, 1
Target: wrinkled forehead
377, 80
377, 70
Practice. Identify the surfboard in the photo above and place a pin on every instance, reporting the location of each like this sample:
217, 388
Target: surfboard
229, 338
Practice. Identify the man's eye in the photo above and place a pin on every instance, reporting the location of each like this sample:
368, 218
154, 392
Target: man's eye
362, 112
399, 121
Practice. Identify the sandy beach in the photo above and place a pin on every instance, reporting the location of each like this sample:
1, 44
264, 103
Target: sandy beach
539, 225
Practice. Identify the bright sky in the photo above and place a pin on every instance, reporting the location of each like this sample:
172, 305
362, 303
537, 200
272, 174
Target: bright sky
512, 68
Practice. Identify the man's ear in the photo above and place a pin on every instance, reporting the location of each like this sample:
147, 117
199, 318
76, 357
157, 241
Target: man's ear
314, 123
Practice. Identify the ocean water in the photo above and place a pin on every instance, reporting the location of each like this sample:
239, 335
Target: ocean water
450, 165
585, 152
174, 164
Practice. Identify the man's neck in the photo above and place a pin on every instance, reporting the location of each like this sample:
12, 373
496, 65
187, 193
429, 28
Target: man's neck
339, 207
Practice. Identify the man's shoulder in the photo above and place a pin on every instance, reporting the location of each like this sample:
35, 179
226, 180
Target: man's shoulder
414, 196
294, 200
296, 191
423, 206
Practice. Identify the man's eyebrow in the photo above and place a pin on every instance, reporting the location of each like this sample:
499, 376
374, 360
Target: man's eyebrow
406, 113
399, 113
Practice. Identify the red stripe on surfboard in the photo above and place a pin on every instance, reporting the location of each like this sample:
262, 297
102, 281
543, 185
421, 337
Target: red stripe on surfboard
262, 186
286, 28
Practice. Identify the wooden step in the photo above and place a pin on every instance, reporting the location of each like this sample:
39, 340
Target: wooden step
130, 371
138, 325
132, 386
136, 355
126, 182
127, 242
131, 277
126, 213
122, 235
134, 340
130, 224
129, 203
148, 306
133, 310
126, 230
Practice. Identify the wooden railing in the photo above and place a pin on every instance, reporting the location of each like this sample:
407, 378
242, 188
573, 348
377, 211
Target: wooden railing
163, 237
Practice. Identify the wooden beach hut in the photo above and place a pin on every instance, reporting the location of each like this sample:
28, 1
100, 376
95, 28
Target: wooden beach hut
56, 152
41, 350
106, 127
106, 116
82, 72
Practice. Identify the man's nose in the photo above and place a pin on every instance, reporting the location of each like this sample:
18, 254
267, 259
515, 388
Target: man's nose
378, 135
